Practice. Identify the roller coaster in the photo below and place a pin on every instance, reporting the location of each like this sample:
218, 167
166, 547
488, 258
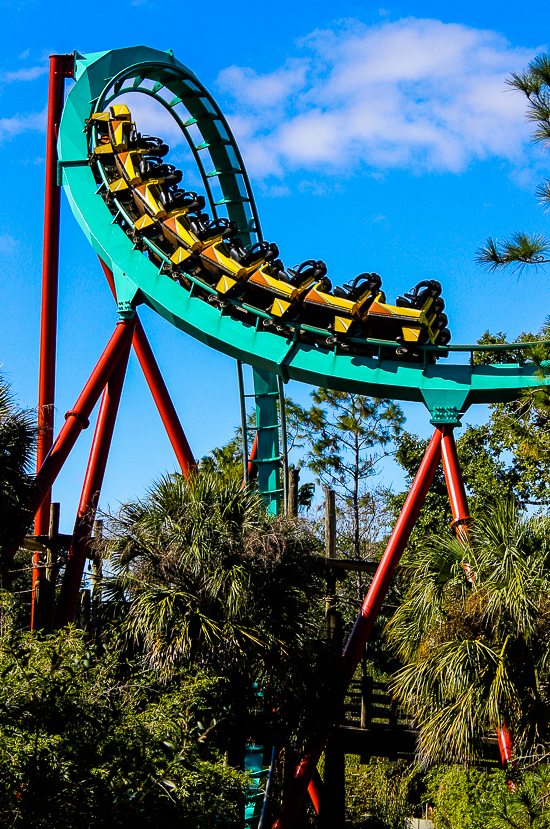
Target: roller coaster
214, 277
205, 256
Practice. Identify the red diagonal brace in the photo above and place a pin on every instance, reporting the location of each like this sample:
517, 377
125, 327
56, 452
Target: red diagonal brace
453, 478
164, 403
252, 468
77, 420
315, 790
365, 622
158, 389
461, 520
68, 597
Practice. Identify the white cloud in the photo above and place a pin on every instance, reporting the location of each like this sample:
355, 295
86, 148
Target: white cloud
28, 74
8, 245
417, 94
319, 188
21, 123
264, 91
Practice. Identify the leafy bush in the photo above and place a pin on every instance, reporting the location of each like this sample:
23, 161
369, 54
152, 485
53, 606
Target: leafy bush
475, 799
87, 742
378, 793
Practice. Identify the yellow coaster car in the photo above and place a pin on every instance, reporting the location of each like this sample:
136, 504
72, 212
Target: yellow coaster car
344, 311
359, 309
280, 292
426, 296
168, 224
236, 263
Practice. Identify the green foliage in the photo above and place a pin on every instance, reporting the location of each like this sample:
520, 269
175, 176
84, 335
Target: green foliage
519, 250
474, 635
463, 798
468, 798
227, 459
511, 356
86, 744
523, 249
521, 429
17, 443
348, 435
210, 578
379, 793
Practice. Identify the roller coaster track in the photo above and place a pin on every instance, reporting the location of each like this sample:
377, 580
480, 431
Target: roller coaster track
144, 273
299, 353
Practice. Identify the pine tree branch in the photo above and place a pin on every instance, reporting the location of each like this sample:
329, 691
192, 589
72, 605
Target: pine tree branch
543, 193
517, 251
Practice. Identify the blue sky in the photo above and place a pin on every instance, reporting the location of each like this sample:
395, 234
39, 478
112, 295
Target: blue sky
376, 139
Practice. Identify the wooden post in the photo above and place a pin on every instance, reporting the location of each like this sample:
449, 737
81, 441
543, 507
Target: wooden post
51, 567
332, 811
97, 576
85, 604
44, 597
333, 800
366, 701
293, 486
331, 614
330, 523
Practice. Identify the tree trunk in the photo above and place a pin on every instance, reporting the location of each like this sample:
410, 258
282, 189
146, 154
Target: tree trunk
356, 535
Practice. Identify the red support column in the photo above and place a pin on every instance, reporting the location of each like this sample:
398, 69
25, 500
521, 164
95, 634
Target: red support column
365, 622
315, 790
77, 419
252, 468
158, 389
461, 520
61, 67
505, 745
253, 454
453, 478
164, 403
68, 597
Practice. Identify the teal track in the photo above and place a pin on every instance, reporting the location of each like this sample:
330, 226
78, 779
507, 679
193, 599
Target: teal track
447, 390
254, 765
100, 78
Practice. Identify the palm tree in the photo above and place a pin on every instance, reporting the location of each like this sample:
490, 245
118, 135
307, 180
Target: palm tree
209, 579
17, 443
474, 635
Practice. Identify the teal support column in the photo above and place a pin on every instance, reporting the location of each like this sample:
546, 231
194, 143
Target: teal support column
268, 459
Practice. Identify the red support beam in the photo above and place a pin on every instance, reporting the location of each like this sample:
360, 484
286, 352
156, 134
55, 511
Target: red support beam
461, 521
61, 67
505, 745
158, 389
454, 481
163, 401
392, 555
315, 790
253, 454
77, 419
365, 622
252, 468
68, 597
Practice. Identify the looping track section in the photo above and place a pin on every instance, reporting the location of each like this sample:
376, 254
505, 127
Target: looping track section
103, 77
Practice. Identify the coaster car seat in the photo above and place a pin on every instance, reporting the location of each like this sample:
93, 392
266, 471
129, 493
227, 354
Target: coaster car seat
181, 200
206, 231
150, 143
